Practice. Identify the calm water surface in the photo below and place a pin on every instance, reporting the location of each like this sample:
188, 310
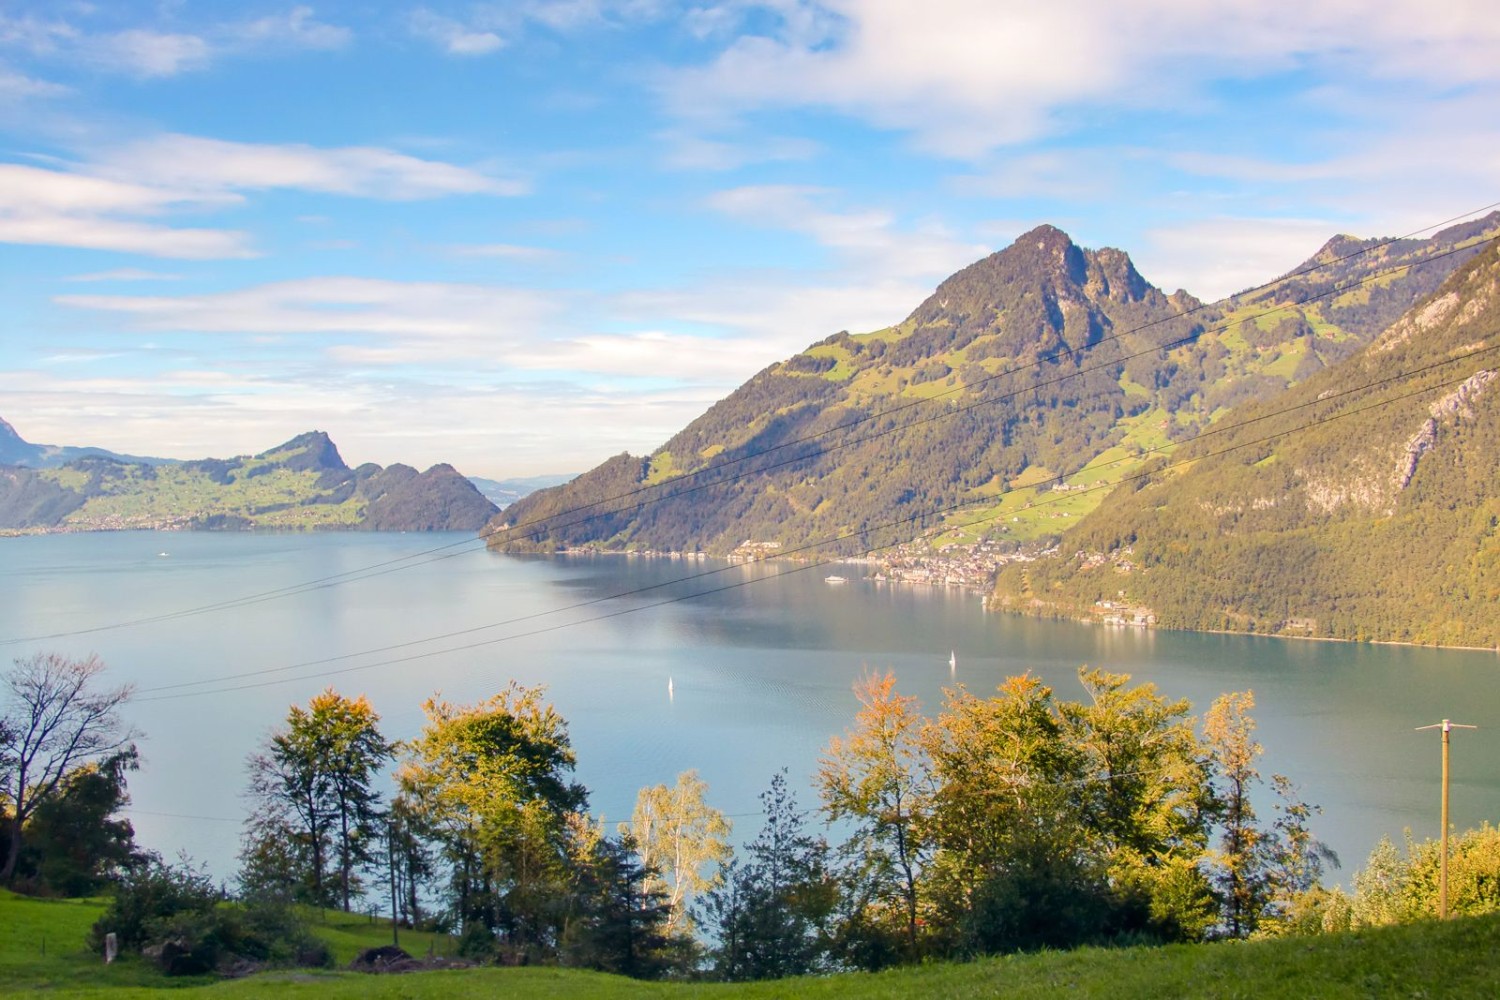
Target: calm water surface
760, 670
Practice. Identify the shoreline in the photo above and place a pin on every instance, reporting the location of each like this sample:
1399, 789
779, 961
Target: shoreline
984, 595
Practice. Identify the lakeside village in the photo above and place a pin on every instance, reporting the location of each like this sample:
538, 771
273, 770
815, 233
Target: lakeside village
967, 567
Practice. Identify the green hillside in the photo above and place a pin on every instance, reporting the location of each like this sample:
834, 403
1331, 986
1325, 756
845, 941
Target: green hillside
301, 484
1045, 366
1453, 959
1383, 524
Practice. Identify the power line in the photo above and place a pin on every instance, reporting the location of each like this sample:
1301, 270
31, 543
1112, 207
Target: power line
408, 561
902, 523
819, 543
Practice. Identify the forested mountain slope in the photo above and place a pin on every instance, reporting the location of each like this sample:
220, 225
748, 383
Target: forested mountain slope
1355, 520
304, 483
1042, 365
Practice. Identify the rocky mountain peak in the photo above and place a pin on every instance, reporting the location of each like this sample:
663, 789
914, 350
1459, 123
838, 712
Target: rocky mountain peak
313, 451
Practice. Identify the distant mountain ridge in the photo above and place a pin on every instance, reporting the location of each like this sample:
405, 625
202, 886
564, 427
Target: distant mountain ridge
1044, 366
504, 492
15, 450
302, 484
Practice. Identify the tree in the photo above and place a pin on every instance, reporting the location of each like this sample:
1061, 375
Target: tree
1003, 800
1259, 872
769, 915
1144, 797
353, 751
492, 781
1229, 730
312, 782
620, 923
676, 834
879, 776
56, 721
73, 845
410, 856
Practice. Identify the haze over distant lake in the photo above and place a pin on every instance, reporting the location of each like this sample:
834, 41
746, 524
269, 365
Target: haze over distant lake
760, 674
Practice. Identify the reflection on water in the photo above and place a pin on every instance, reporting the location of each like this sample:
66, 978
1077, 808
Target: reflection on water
761, 664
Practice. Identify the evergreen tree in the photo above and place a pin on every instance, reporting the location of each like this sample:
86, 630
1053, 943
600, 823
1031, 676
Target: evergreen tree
769, 915
621, 924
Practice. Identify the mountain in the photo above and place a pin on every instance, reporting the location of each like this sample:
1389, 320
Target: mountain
504, 492
301, 484
15, 450
1364, 514
1043, 367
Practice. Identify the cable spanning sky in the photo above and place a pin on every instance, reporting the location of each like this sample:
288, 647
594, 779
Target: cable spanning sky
521, 237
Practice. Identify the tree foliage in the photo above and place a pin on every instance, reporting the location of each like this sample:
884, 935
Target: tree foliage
317, 813
878, 777
768, 916
677, 836
492, 781
74, 844
56, 720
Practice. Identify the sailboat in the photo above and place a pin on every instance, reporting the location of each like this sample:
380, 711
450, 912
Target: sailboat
952, 661
670, 696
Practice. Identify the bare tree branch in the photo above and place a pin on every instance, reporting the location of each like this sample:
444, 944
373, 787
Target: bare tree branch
54, 722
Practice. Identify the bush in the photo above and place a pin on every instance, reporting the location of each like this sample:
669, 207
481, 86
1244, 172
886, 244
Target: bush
175, 915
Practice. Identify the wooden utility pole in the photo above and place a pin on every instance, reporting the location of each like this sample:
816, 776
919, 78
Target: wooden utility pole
1446, 727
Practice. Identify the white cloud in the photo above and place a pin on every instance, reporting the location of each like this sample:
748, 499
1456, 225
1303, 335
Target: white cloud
124, 236
297, 27
18, 86
147, 52
54, 208
199, 163
143, 53
687, 151
509, 251
49, 191
869, 242
1216, 257
966, 76
1074, 175
100, 204
454, 37
469, 320
653, 355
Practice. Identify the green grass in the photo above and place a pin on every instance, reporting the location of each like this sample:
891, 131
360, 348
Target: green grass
1457, 959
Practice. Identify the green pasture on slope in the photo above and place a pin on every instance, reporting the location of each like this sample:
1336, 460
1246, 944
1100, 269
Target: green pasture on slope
1458, 959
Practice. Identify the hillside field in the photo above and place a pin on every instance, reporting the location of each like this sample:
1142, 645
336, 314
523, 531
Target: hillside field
1457, 959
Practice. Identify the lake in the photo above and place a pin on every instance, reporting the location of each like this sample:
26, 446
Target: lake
760, 671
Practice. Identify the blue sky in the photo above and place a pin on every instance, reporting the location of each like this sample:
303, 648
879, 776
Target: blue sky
522, 237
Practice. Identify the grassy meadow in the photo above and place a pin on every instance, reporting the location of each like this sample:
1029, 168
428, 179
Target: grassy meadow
42, 952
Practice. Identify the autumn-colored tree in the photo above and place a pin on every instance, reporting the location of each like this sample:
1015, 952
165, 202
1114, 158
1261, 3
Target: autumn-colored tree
1260, 871
878, 777
678, 836
1002, 806
1143, 797
1230, 733
492, 780
314, 780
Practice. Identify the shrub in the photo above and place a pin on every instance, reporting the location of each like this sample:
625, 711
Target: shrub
175, 915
